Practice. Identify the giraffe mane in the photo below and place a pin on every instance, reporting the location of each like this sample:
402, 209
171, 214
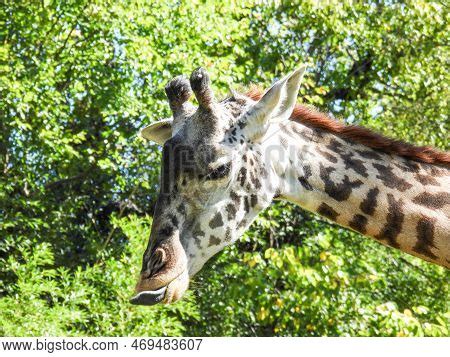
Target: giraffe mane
310, 117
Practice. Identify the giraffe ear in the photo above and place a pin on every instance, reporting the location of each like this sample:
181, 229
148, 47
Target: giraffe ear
159, 132
275, 105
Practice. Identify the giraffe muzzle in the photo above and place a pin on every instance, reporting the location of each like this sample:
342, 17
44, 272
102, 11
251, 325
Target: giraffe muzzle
149, 298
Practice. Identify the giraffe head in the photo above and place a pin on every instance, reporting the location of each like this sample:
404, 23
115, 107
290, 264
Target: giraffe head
215, 177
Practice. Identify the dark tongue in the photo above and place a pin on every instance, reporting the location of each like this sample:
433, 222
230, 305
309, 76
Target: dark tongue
149, 297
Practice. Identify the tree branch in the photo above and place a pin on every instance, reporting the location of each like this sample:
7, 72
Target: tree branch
61, 182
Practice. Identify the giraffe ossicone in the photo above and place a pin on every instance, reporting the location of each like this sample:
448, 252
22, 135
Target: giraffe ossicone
224, 162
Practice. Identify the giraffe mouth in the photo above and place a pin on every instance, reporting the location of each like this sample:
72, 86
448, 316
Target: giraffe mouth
149, 298
167, 294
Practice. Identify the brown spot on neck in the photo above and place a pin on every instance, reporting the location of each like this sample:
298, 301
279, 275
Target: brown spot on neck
358, 223
327, 211
216, 221
430, 200
231, 211
333, 159
242, 176
354, 164
213, 240
369, 154
437, 171
235, 197
394, 221
335, 146
246, 204
390, 179
369, 204
425, 237
338, 191
303, 179
426, 180
408, 166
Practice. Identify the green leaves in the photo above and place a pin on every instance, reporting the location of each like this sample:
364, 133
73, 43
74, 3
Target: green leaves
89, 301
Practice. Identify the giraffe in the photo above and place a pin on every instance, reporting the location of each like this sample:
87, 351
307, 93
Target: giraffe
226, 161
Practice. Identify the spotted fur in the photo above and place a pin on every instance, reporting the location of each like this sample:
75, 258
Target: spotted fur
227, 161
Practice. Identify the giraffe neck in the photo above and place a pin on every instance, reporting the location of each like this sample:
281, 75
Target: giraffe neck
399, 202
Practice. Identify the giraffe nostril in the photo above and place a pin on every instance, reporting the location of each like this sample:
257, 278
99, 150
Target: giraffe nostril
157, 261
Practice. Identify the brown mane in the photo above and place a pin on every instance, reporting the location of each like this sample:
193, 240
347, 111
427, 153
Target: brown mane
361, 135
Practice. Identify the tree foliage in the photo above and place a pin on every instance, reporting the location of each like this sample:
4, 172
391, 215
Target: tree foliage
80, 78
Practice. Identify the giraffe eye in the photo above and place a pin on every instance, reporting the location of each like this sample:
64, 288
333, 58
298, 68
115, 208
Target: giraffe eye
219, 172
